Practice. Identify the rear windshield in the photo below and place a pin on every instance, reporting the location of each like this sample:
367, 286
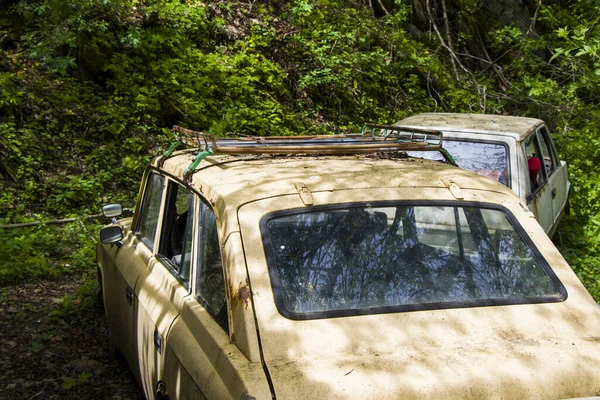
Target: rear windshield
485, 158
366, 258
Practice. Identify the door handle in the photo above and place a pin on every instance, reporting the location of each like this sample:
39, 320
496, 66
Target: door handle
554, 193
129, 295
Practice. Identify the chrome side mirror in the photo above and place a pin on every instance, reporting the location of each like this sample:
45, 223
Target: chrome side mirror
112, 210
111, 235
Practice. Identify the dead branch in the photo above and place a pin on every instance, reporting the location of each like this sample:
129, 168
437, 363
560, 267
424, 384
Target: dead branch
534, 19
454, 58
447, 28
495, 67
442, 41
55, 221
385, 9
8, 171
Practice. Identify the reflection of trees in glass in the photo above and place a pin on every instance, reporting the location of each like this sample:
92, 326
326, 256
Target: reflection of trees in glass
488, 159
210, 282
188, 238
480, 157
369, 257
150, 208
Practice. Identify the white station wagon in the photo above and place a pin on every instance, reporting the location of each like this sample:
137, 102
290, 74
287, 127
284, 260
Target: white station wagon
516, 151
335, 267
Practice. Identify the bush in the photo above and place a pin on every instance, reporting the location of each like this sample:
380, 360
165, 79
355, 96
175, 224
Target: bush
44, 251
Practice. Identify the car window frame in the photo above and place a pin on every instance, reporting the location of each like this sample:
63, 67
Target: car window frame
192, 289
545, 137
533, 191
221, 316
494, 142
509, 177
164, 260
139, 216
277, 293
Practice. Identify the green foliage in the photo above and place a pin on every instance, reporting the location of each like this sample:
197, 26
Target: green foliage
93, 87
89, 291
346, 67
43, 251
65, 311
70, 382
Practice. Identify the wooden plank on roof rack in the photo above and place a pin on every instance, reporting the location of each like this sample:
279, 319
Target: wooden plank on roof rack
390, 138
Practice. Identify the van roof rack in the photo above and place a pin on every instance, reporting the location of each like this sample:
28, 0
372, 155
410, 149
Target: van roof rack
372, 138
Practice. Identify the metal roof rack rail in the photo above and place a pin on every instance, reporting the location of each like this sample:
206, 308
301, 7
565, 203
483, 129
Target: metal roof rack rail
372, 138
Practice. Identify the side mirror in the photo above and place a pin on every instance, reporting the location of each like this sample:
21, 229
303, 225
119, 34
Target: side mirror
112, 210
111, 234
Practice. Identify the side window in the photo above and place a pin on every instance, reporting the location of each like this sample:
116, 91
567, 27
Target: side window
548, 156
177, 234
148, 220
210, 284
535, 158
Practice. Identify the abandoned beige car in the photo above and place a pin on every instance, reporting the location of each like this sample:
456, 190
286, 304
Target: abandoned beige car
340, 270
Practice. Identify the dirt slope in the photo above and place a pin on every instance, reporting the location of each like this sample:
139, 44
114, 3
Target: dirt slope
51, 347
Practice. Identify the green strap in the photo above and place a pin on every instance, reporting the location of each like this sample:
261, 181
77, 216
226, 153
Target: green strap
201, 156
173, 147
448, 157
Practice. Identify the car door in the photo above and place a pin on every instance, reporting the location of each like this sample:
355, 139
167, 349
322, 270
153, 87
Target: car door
539, 195
202, 358
557, 174
548, 179
162, 288
123, 264
196, 341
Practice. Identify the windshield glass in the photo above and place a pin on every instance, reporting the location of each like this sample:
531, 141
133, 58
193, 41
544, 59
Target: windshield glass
365, 259
487, 159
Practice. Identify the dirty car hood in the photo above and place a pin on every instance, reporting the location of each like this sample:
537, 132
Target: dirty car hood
524, 351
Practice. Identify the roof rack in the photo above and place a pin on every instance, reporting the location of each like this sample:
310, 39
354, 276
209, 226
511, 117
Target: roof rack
372, 138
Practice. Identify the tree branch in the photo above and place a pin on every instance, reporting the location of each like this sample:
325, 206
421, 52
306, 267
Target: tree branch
455, 60
534, 19
53, 222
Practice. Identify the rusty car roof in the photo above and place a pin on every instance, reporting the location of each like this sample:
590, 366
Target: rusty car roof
518, 127
243, 179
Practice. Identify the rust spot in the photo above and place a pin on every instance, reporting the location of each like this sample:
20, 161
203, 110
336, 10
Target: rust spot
241, 294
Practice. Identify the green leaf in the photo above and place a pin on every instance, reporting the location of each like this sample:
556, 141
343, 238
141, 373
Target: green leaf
84, 377
68, 382
36, 347
557, 52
